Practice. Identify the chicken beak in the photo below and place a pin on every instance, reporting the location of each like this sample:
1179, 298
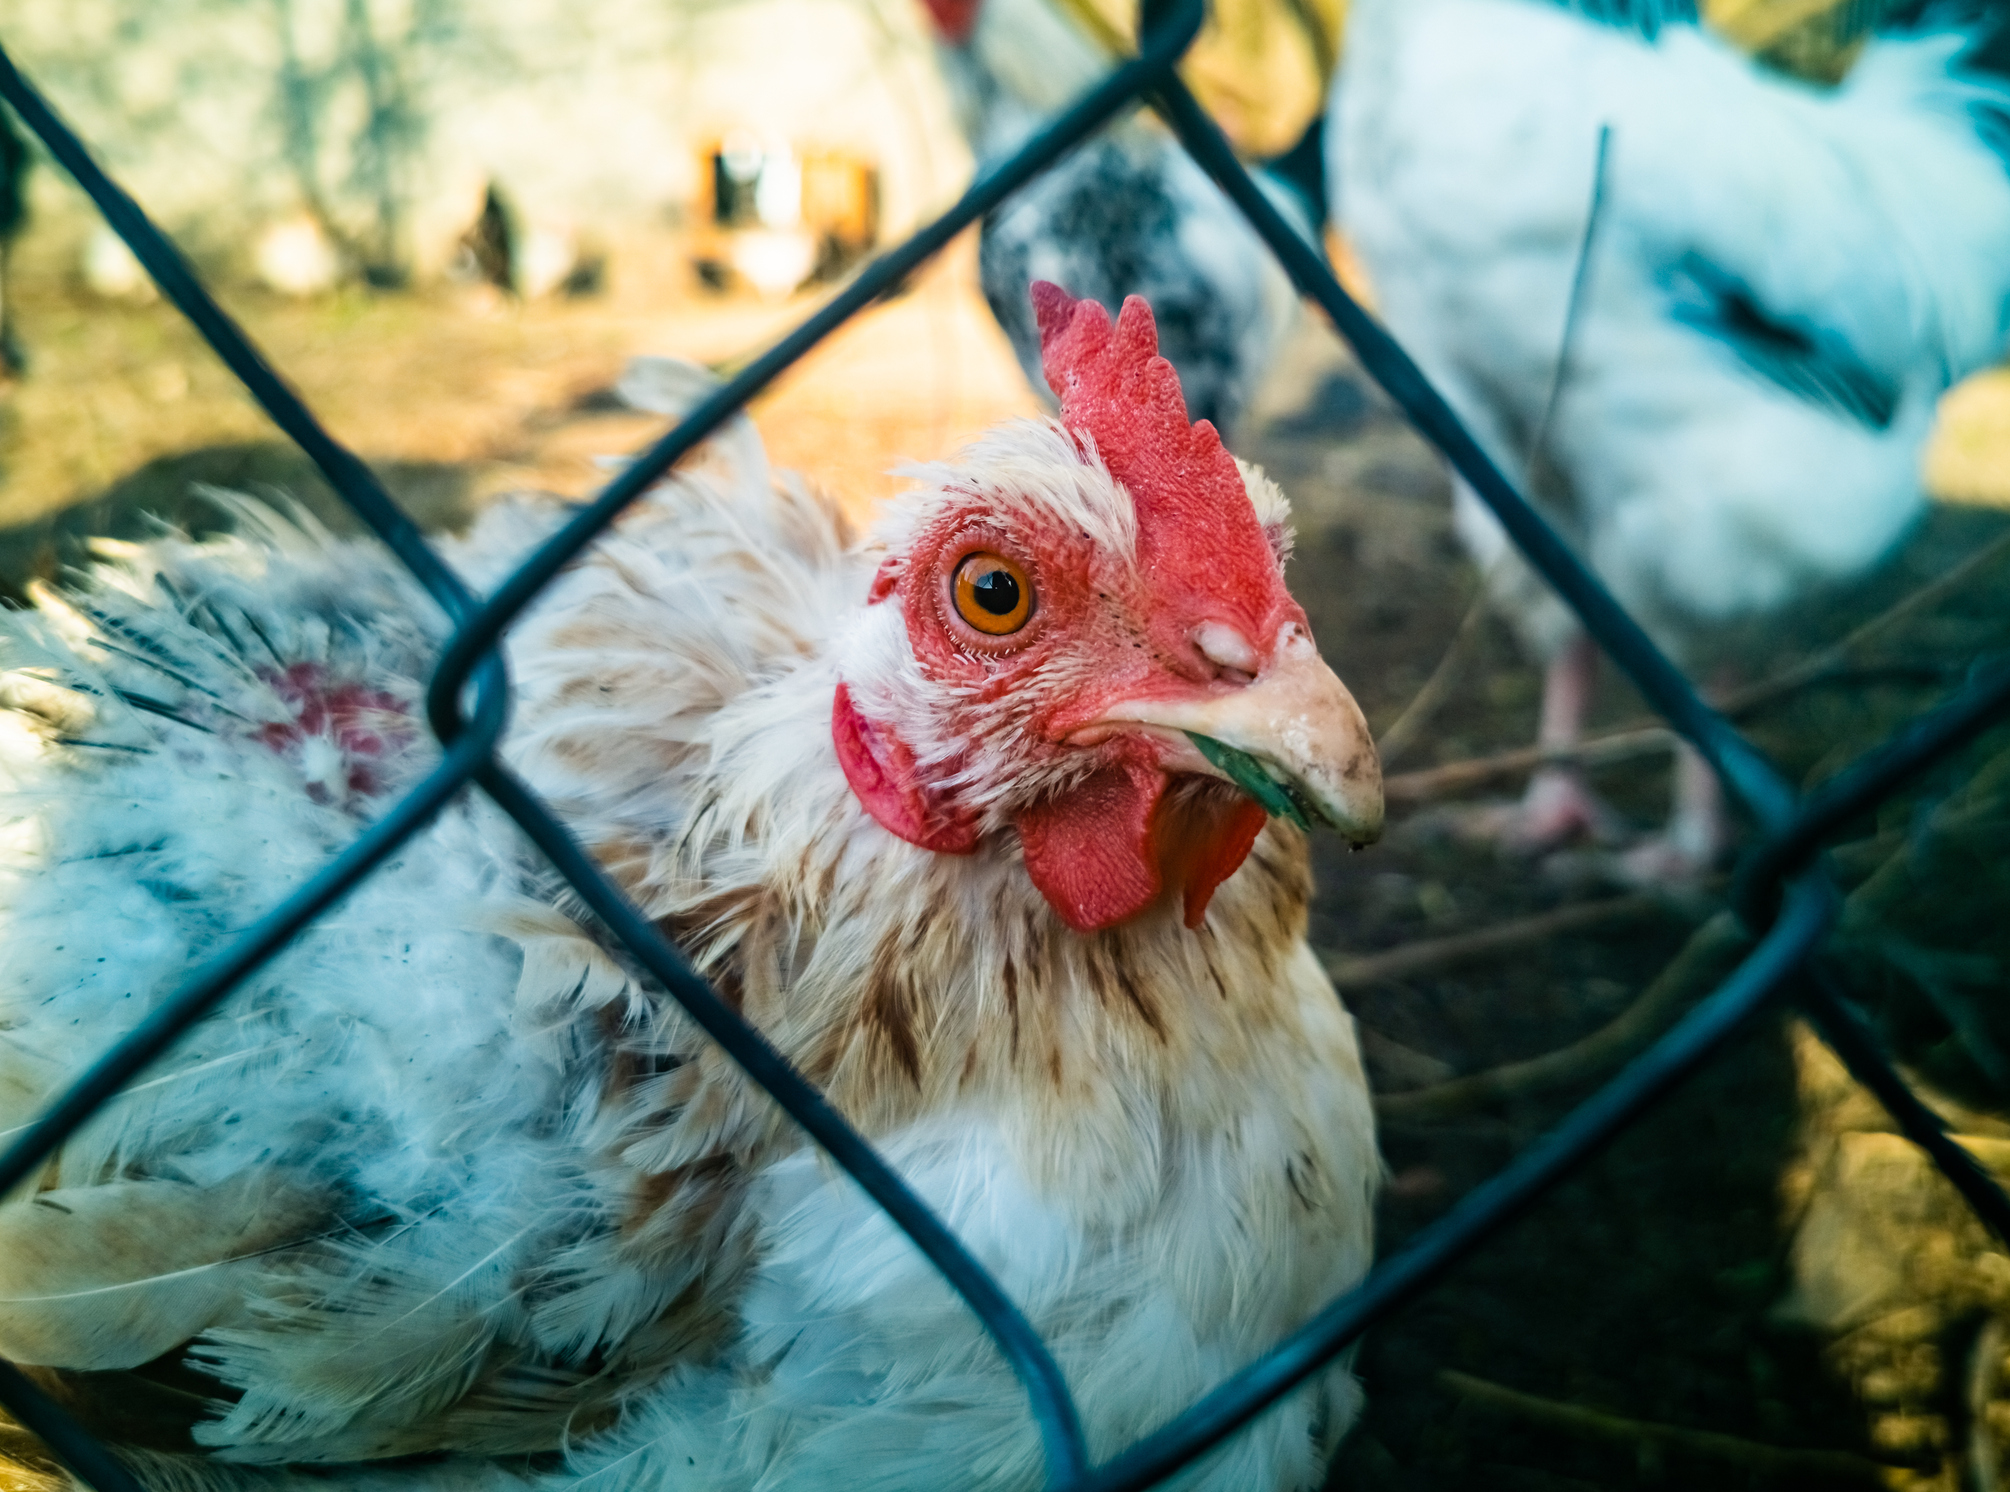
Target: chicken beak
1292, 738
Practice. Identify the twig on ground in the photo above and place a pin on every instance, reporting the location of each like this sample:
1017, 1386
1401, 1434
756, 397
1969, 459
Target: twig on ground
1424, 703
1641, 737
1700, 960
1435, 953
1621, 743
1453, 777
1978, 804
1829, 1468
1936, 589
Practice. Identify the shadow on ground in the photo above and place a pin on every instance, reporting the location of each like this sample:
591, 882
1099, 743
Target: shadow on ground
173, 490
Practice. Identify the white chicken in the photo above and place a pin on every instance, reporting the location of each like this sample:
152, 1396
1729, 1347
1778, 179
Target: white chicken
941, 816
1128, 213
1777, 283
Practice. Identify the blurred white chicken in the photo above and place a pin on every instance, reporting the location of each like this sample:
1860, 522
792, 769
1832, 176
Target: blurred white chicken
960, 821
1128, 213
1778, 282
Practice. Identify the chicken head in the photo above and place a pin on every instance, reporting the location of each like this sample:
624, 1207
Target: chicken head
1081, 635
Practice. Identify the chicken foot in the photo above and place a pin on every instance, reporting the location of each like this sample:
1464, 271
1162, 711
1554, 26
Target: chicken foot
1559, 806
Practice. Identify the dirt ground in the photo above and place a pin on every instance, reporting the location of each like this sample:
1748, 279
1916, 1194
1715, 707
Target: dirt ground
458, 394
1651, 1289
1644, 1292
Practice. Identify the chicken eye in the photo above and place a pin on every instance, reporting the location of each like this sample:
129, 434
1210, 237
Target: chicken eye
992, 594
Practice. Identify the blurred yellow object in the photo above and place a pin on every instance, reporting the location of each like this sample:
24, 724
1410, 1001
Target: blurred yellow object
1967, 457
1262, 66
1349, 270
1812, 39
1259, 66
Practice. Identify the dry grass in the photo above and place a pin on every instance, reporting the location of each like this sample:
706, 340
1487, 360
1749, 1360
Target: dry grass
482, 395
494, 390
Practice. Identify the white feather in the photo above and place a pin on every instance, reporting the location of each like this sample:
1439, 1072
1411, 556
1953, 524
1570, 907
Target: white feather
1875, 217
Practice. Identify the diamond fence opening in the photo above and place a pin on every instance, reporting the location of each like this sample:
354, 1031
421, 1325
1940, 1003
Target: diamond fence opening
1782, 891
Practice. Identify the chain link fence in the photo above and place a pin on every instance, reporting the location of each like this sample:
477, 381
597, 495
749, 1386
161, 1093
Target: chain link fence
1782, 891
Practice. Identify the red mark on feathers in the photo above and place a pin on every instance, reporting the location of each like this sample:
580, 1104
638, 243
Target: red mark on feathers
883, 778
365, 724
955, 19
1199, 543
1108, 850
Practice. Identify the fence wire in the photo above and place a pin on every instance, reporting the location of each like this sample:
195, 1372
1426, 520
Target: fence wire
1782, 891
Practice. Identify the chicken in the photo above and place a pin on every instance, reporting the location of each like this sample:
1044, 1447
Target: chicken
1717, 382
954, 819
1128, 213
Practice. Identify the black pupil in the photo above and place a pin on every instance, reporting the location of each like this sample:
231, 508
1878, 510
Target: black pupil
996, 591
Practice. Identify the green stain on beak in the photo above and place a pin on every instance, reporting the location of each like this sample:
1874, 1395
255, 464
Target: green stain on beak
1279, 799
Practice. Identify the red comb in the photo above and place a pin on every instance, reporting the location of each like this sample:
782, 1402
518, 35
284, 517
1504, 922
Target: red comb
1116, 389
955, 19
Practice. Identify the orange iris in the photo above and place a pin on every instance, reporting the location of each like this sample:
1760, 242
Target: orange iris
993, 594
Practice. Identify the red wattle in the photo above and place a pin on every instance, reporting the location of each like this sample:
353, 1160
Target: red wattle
883, 778
1209, 848
1108, 850
1090, 852
955, 19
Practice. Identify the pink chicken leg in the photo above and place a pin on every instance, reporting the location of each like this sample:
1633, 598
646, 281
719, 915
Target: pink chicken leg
1559, 805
